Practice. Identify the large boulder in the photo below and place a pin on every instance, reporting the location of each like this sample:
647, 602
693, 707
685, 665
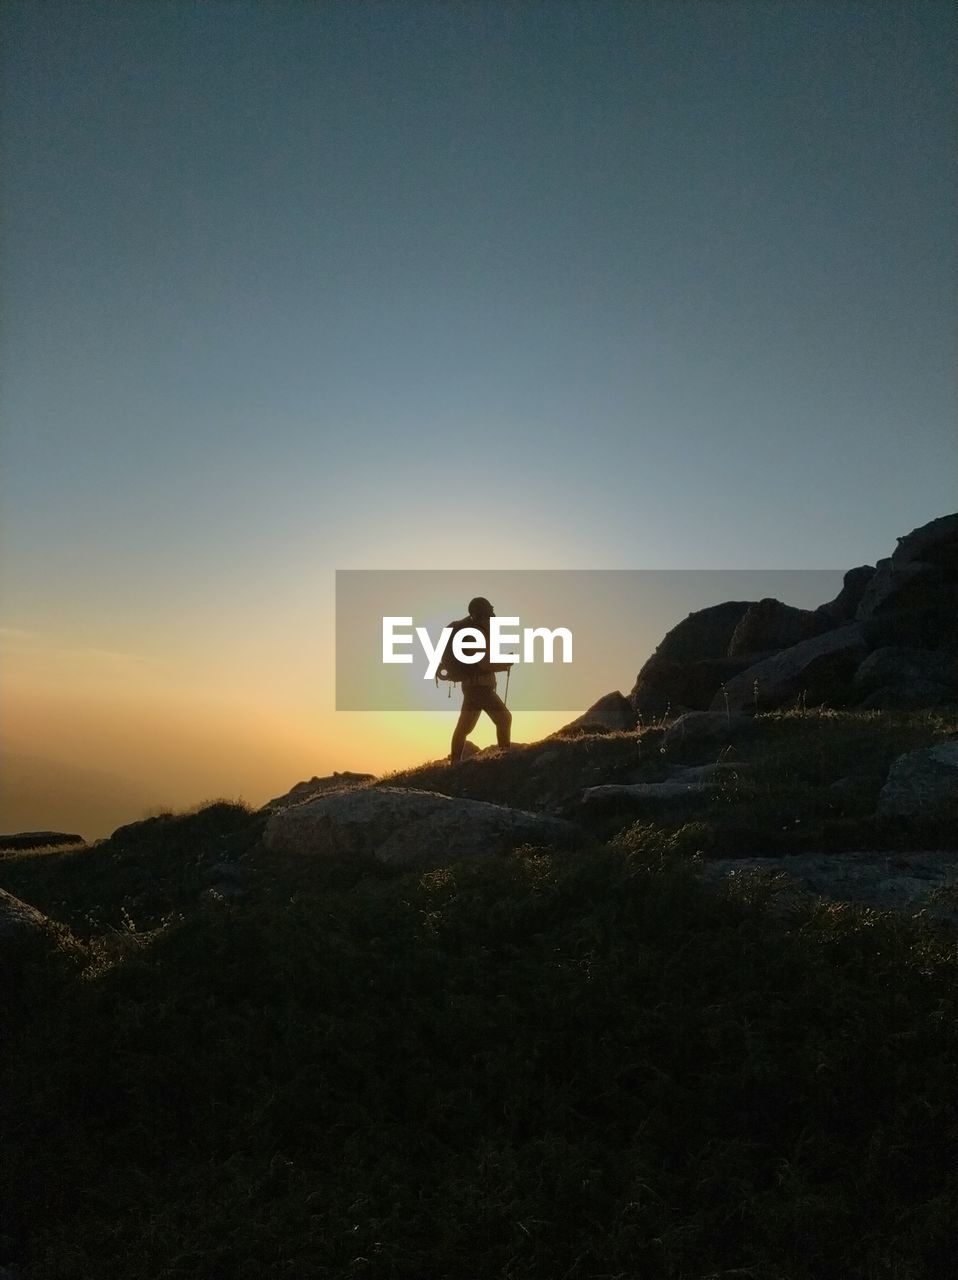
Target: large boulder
690, 663
769, 625
819, 669
613, 711
408, 828
922, 783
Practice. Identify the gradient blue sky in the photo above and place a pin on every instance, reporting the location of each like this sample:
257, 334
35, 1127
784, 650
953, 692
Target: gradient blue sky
293, 287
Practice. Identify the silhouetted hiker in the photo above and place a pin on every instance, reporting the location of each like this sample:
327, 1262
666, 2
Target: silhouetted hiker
479, 688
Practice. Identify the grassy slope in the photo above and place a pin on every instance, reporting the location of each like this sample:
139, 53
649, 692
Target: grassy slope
587, 1065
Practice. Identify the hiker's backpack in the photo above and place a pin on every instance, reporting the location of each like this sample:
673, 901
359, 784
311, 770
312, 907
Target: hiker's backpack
450, 668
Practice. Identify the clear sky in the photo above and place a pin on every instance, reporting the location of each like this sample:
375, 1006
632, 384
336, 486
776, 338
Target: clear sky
292, 287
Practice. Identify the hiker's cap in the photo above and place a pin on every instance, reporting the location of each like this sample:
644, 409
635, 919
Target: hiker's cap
479, 607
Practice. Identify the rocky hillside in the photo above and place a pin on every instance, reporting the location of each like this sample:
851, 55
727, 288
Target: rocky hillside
525, 1016
758, 729
670, 995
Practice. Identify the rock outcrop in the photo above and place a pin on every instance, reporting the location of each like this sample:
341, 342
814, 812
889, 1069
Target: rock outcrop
408, 828
614, 712
742, 656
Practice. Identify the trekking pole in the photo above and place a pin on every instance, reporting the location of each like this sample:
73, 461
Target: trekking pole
505, 700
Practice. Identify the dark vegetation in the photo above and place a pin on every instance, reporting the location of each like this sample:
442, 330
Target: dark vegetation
583, 1066
782, 799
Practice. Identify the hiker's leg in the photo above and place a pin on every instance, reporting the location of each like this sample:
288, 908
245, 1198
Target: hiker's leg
499, 714
502, 719
468, 719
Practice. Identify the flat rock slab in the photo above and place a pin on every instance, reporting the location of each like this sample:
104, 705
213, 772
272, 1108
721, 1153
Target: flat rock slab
693, 780
39, 839
900, 881
637, 791
409, 828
